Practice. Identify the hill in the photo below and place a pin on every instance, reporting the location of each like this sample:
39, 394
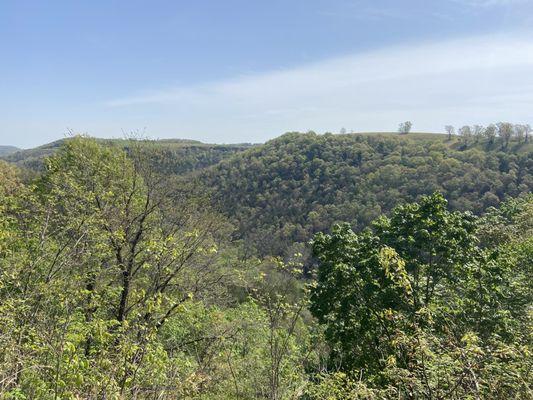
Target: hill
175, 156
5, 150
33, 158
116, 283
282, 192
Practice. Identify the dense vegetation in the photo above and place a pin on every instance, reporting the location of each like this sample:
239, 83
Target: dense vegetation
283, 192
421, 310
5, 150
120, 279
173, 156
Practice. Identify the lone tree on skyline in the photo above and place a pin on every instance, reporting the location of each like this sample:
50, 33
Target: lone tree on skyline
450, 130
405, 127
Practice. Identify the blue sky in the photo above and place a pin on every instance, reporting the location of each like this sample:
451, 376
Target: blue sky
247, 71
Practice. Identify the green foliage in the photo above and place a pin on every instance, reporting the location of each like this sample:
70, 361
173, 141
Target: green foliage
284, 191
416, 308
118, 279
361, 293
340, 386
114, 282
6, 150
173, 156
434, 243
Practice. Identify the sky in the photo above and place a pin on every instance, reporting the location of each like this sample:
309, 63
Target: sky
238, 71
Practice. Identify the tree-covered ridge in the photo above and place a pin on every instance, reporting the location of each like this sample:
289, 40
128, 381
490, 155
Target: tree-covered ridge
5, 150
172, 156
181, 160
282, 192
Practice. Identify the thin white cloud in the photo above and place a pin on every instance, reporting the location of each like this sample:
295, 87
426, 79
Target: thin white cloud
491, 3
476, 79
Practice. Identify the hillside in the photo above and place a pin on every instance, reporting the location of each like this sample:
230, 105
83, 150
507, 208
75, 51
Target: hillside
102, 266
33, 158
5, 150
175, 156
282, 192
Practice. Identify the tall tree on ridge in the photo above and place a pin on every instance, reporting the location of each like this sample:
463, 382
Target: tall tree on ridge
405, 127
505, 130
450, 130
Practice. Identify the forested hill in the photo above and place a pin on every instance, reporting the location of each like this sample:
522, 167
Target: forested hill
117, 283
175, 156
5, 150
282, 192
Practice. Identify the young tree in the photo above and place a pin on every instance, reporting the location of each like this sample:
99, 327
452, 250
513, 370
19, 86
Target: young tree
466, 133
490, 133
278, 289
361, 288
450, 130
519, 131
478, 132
527, 131
117, 251
416, 309
505, 130
405, 127
433, 241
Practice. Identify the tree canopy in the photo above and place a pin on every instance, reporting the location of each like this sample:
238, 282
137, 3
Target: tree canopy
281, 193
121, 278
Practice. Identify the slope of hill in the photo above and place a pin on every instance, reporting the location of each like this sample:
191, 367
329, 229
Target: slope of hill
5, 150
282, 192
33, 158
102, 268
176, 156
181, 157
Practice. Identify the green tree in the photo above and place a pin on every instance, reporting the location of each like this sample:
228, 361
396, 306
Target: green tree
505, 130
434, 243
362, 292
114, 251
430, 303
